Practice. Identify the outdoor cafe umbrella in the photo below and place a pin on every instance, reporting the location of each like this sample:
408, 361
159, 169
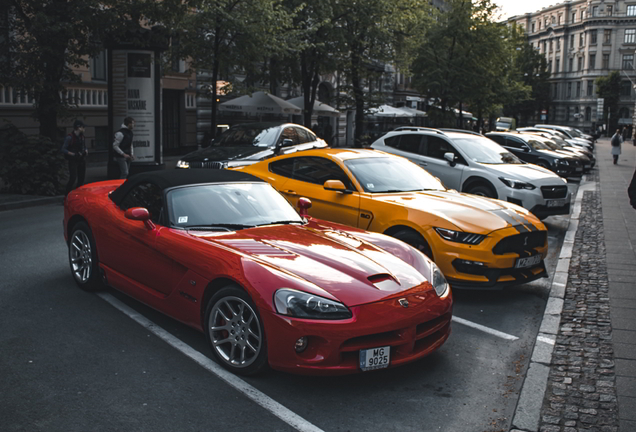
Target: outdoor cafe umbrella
320, 109
389, 111
259, 103
414, 112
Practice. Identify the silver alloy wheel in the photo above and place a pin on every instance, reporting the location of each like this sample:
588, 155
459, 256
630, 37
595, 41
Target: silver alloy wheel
235, 331
81, 256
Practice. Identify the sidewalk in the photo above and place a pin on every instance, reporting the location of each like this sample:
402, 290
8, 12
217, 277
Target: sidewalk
94, 173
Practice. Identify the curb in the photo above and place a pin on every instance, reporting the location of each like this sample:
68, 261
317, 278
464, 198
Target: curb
31, 202
528, 412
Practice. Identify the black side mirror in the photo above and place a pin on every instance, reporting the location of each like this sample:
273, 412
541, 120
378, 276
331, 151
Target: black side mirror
286, 143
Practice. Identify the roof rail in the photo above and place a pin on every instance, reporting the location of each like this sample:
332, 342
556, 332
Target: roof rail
417, 128
460, 131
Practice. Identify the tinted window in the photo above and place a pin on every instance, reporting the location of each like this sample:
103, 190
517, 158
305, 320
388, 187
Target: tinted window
318, 170
438, 146
392, 141
391, 174
289, 133
148, 196
501, 140
305, 136
514, 143
247, 136
283, 167
412, 143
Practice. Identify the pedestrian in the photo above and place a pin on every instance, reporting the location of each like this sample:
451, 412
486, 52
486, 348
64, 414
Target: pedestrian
616, 145
625, 134
75, 152
631, 191
124, 153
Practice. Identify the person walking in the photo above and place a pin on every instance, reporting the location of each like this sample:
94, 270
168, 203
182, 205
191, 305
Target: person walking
124, 153
631, 191
75, 152
616, 145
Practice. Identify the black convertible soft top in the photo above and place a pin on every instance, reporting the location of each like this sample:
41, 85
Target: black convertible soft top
166, 179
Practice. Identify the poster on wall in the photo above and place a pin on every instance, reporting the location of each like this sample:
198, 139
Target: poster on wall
134, 96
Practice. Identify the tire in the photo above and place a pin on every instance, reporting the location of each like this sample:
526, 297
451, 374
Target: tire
413, 238
82, 257
235, 331
482, 189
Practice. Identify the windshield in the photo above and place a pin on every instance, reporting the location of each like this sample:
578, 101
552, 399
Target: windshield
234, 205
248, 136
575, 133
391, 174
537, 145
485, 151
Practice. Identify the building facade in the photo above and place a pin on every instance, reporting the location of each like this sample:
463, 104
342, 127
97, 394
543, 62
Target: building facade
583, 40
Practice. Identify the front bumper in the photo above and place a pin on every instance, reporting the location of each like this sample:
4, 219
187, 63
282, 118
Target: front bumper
504, 278
334, 346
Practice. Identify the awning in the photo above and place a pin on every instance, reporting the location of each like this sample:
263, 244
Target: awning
259, 103
320, 109
389, 111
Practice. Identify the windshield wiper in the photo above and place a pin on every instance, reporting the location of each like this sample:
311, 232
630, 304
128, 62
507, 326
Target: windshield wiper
215, 227
282, 222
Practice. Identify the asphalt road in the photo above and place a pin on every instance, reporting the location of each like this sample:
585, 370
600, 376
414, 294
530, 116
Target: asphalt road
70, 361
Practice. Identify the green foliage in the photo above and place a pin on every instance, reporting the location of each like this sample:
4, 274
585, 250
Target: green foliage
609, 88
30, 165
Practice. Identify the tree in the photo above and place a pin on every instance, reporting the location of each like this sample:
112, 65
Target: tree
609, 88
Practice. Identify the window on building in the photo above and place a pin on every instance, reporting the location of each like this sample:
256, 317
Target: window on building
558, 41
554, 91
593, 36
553, 19
571, 65
582, 39
569, 93
605, 64
550, 66
588, 114
628, 61
607, 36
572, 42
626, 88
578, 89
590, 88
582, 15
533, 28
551, 44
559, 19
631, 10
567, 114
630, 36
610, 10
98, 67
594, 11
557, 66
579, 64
573, 17
592, 64
545, 46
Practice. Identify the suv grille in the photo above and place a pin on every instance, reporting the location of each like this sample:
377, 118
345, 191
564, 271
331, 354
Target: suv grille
554, 191
521, 242
211, 165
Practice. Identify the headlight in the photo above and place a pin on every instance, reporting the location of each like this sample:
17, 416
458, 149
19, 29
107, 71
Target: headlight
300, 304
460, 237
516, 184
183, 164
562, 162
438, 280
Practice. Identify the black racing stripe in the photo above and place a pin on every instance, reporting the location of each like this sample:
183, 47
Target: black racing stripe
512, 221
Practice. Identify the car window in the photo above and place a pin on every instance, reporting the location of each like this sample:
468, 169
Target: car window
514, 143
318, 170
392, 141
289, 133
499, 139
485, 151
148, 196
284, 167
537, 145
305, 136
412, 143
391, 175
438, 146
247, 136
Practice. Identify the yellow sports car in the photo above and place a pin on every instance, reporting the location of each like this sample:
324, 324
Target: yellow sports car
477, 242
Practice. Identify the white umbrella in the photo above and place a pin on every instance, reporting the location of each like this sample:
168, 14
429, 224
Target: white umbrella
320, 109
414, 112
259, 103
389, 111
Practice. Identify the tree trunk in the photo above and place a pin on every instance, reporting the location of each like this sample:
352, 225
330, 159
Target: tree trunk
48, 99
358, 95
215, 77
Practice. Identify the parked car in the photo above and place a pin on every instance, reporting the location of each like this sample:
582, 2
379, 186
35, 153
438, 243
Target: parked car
530, 149
562, 140
570, 133
245, 144
560, 146
224, 253
469, 162
477, 242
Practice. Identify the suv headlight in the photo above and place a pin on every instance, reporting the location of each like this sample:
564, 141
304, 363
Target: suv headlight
438, 280
460, 237
183, 164
300, 304
516, 184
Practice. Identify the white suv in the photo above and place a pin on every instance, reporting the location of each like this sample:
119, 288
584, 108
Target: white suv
472, 163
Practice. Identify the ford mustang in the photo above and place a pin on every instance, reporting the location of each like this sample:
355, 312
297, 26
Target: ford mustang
226, 254
478, 242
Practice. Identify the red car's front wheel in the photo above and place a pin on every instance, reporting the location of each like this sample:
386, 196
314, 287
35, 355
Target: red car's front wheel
82, 256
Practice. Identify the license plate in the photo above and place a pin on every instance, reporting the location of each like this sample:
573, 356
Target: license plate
375, 358
556, 203
528, 261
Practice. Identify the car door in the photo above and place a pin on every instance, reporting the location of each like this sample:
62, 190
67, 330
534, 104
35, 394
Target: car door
520, 149
307, 180
449, 173
139, 257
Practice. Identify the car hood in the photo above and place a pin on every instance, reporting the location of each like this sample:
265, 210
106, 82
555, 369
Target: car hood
221, 154
469, 213
350, 269
525, 172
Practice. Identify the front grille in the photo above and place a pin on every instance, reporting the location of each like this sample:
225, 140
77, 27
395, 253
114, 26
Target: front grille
209, 165
521, 242
554, 191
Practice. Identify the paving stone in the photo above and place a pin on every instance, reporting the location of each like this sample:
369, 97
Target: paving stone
626, 367
628, 408
625, 351
624, 336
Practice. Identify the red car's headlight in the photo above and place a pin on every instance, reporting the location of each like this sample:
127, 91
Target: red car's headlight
300, 304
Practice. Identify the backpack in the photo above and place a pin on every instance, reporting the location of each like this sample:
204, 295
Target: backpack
616, 141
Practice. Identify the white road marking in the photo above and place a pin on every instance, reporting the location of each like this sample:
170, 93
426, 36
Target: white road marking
250, 392
484, 329
546, 340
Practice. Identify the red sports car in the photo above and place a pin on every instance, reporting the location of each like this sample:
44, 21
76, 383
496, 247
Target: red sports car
225, 253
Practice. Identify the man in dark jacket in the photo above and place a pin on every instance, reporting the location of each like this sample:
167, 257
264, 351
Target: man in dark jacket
74, 149
123, 147
631, 191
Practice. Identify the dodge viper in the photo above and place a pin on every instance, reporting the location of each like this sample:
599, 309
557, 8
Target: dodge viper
478, 242
225, 253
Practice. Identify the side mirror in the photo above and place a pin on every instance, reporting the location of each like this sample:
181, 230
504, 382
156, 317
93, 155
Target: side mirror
337, 186
286, 143
526, 149
304, 204
450, 157
140, 214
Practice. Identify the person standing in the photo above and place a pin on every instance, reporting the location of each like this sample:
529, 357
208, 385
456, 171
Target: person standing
616, 145
75, 152
124, 153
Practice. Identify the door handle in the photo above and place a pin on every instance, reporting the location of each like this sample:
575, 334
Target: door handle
422, 164
290, 192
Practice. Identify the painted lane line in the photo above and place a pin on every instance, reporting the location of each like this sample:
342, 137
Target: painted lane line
250, 392
485, 329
